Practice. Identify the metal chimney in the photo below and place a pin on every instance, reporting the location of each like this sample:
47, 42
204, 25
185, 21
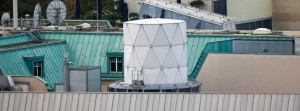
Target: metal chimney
66, 73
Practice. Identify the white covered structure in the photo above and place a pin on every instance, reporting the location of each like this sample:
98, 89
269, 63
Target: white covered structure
156, 49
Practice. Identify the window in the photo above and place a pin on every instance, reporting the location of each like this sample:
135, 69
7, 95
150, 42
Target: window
116, 64
38, 68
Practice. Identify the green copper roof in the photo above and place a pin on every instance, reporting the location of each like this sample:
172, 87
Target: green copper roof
14, 39
93, 49
14, 60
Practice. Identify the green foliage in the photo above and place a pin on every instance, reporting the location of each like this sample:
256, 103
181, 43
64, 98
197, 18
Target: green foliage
197, 3
133, 16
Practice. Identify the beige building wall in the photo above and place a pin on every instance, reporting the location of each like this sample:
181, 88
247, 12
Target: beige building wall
105, 84
35, 84
286, 15
243, 10
250, 73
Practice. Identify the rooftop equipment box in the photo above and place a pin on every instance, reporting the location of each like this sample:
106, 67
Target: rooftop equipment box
85, 79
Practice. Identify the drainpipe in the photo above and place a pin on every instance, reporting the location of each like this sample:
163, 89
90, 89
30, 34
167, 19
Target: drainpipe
66, 73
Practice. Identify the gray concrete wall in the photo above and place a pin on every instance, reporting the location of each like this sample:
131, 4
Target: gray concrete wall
148, 102
297, 45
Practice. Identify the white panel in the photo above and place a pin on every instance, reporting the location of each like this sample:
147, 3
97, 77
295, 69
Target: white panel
144, 102
150, 102
155, 102
170, 30
297, 103
183, 72
5, 102
183, 30
279, 103
115, 102
161, 78
40, 102
138, 102
250, 102
177, 37
226, 102
161, 53
11, 102
196, 103
168, 102
183, 61
141, 39
133, 30
86, 102
268, 101
292, 103
161, 38
75, 103
178, 49
1, 100
178, 78
285, 102
170, 60
132, 102
28, 103
127, 54
98, 102
151, 61
256, 102
69, 101
34, 101
121, 102
244, 102
238, 102
142, 53
150, 75
16, 105
92, 102
232, 102
58, 97
261, 105
221, 102
46, 102
173, 102
273, 102
127, 37
51, 102
110, 98
214, 106
208, 102
162, 102
134, 61
185, 102
190, 102
63, 102
103, 102
170, 74
179, 102
151, 31
203, 102
127, 102
23, 102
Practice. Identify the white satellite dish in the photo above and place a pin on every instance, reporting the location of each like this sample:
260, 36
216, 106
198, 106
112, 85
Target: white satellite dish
5, 19
56, 12
37, 16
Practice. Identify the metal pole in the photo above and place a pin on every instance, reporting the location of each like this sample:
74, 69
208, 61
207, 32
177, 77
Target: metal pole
15, 13
97, 16
66, 73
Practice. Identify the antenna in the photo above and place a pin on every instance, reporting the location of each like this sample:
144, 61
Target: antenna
37, 16
5, 19
56, 12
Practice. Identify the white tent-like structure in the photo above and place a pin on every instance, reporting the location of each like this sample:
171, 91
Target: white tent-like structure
156, 48
155, 56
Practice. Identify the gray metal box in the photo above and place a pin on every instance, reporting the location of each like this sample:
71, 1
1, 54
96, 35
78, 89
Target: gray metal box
261, 46
85, 79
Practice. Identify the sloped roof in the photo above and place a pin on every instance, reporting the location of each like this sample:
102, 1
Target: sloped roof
12, 62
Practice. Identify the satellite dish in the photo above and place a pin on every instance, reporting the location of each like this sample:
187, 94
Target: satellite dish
5, 19
37, 16
56, 12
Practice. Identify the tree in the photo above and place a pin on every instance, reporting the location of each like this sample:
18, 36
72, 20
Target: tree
133, 16
197, 4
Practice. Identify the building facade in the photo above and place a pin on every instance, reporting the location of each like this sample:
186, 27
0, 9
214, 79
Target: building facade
286, 15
